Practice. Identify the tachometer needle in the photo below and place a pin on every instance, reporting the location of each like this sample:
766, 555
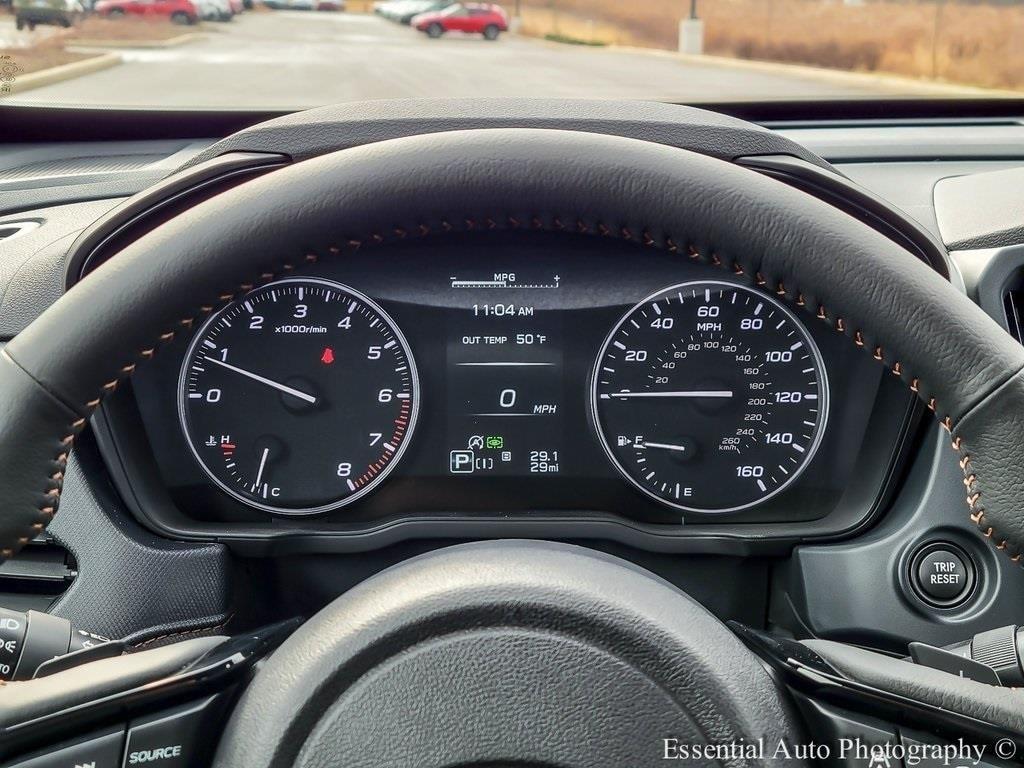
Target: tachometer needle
263, 380
263, 463
665, 446
681, 393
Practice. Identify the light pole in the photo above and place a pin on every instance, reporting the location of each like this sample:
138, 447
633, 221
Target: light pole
691, 32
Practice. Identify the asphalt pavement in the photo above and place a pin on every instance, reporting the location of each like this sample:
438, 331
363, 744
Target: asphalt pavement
299, 59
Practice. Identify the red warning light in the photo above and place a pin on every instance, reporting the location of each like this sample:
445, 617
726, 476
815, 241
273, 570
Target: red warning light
328, 356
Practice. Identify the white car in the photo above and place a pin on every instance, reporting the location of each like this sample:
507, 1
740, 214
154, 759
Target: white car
214, 10
224, 10
394, 11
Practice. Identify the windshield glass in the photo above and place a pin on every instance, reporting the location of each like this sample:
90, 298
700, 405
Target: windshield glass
224, 54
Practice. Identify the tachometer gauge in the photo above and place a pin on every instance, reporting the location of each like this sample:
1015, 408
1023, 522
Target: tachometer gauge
300, 397
710, 396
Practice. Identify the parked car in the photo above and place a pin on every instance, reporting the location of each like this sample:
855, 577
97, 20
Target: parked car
300, 5
178, 11
404, 10
237, 6
391, 8
407, 9
59, 13
424, 6
224, 11
484, 19
330, 5
214, 10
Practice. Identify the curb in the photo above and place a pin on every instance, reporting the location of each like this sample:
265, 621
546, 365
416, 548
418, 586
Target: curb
873, 80
170, 42
64, 72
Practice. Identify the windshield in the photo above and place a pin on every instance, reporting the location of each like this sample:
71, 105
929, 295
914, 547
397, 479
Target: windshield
266, 54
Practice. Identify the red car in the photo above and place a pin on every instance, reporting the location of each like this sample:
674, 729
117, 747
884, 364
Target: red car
476, 18
178, 11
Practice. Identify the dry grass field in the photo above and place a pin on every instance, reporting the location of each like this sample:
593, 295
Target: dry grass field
974, 43
125, 29
51, 50
15, 62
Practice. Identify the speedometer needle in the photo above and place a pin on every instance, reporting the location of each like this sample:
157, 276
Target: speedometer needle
681, 393
263, 380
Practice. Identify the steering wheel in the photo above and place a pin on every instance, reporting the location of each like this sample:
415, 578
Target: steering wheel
510, 652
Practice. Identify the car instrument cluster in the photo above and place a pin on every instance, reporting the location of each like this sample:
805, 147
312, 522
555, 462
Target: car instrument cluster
575, 380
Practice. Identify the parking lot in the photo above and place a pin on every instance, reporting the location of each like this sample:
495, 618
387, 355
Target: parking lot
298, 59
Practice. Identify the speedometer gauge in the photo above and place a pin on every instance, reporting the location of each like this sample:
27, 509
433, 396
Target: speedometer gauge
298, 398
710, 396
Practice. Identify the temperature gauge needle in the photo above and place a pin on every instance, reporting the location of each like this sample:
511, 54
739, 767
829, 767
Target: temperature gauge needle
681, 393
666, 446
263, 380
263, 463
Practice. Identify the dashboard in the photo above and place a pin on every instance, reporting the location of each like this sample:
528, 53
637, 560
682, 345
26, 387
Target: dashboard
548, 379
153, 519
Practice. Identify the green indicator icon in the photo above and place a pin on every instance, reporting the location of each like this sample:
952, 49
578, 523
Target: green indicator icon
495, 442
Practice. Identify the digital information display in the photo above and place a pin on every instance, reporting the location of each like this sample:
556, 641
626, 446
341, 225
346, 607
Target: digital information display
505, 376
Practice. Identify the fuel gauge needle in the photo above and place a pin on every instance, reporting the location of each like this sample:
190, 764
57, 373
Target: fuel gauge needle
263, 380
666, 446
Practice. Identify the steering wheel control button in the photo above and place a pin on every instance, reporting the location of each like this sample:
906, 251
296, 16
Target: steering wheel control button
102, 751
169, 739
12, 638
942, 575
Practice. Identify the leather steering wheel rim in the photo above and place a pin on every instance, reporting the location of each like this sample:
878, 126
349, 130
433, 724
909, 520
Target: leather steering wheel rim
965, 368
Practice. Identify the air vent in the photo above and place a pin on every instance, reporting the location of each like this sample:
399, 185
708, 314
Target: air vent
1013, 306
11, 229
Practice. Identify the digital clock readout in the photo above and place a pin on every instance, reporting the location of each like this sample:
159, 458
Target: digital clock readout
505, 380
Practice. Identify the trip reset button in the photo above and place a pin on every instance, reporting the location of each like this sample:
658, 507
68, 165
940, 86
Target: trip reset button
942, 574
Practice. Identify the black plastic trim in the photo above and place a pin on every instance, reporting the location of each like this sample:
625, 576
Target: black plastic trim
58, 123
55, 123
